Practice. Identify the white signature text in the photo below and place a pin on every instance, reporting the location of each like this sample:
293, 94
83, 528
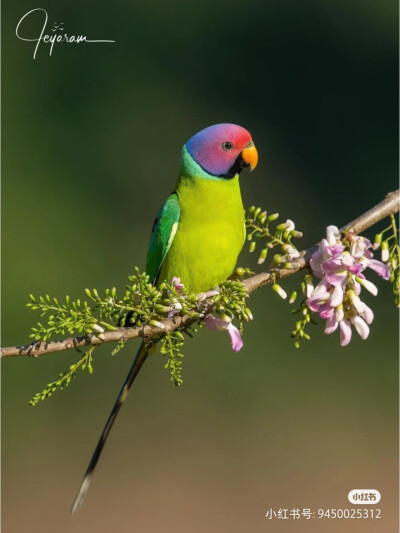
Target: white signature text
57, 36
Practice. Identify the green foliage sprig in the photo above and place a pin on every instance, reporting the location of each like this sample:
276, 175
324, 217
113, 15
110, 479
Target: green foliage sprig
170, 346
231, 302
65, 377
299, 333
388, 242
71, 317
141, 304
259, 228
137, 306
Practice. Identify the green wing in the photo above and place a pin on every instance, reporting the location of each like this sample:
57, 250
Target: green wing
164, 230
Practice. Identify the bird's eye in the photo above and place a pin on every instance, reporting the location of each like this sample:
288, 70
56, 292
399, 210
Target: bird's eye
227, 145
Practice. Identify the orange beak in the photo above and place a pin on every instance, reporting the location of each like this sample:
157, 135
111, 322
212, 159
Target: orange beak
250, 156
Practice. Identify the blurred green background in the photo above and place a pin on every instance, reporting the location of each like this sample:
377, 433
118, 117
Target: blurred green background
91, 144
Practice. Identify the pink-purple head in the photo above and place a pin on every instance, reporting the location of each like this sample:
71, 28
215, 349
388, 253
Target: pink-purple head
223, 150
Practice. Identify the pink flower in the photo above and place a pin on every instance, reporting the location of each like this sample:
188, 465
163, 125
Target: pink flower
361, 327
176, 282
340, 267
331, 325
336, 296
332, 235
345, 332
219, 324
213, 323
319, 296
380, 268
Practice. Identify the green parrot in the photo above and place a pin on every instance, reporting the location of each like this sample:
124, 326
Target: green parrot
197, 235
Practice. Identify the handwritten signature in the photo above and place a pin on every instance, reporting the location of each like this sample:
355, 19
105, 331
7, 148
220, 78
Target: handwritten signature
58, 36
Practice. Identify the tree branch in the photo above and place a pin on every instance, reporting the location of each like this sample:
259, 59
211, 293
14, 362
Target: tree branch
388, 206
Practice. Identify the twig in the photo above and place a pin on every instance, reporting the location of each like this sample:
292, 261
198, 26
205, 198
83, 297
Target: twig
389, 206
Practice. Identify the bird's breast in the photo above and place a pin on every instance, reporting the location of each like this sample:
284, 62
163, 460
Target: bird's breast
210, 234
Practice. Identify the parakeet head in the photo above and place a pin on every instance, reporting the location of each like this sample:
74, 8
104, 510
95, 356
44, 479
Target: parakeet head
223, 150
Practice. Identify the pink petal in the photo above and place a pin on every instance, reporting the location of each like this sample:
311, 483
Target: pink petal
319, 297
359, 246
215, 324
331, 325
324, 248
209, 294
324, 310
356, 268
345, 332
339, 313
322, 254
236, 338
336, 250
318, 302
367, 314
332, 233
380, 268
358, 304
315, 264
332, 265
317, 306
361, 327
335, 272
314, 306
219, 324
321, 290
373, 289
337, 296
176, 282
347, 259
327, 313
337, 278
309, 286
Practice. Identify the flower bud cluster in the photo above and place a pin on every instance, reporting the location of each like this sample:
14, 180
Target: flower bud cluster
388, 242
258, 227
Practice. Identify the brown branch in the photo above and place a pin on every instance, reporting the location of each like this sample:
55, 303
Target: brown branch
390, 205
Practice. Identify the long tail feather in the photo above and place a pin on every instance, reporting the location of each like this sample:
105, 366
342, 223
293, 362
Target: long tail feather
140, 358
